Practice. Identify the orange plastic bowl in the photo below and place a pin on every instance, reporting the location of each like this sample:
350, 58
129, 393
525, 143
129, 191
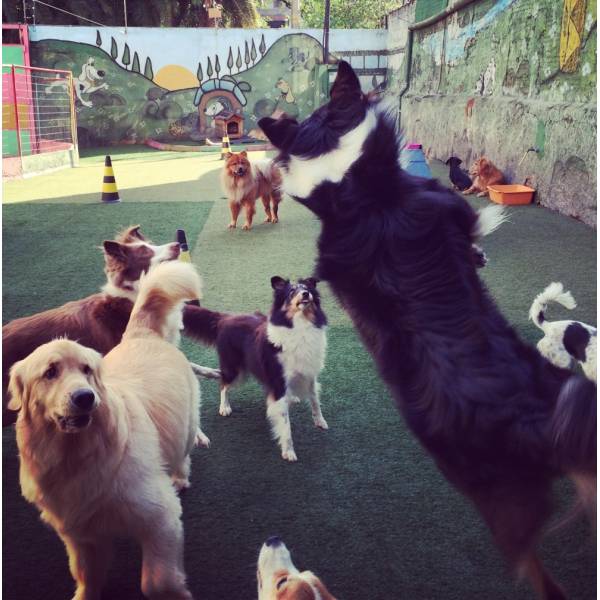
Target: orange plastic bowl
511, 194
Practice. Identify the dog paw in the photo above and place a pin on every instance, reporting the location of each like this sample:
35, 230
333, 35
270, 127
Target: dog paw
225, 411
320, 422
180, 483
247, 227
289, 455
201, 439
482, 194
231, 226
275, 220
267, 220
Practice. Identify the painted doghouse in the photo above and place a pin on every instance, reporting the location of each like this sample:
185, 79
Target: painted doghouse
230, 123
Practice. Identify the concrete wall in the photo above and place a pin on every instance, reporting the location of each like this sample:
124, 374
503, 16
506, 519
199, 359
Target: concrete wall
170, 84
499, 77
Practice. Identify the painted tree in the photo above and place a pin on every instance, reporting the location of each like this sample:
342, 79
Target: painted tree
126, 57
238, 60
199, 73
263, 47
98, 38
114, 51
135, 65
148, 72
217, 65
246, 55
230, 60
253, 53
209, 69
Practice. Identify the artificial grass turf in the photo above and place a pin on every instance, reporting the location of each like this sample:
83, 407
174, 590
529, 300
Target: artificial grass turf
364, 507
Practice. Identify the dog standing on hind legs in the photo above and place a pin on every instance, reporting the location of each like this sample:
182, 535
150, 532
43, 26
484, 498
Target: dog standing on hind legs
500, 421
104, 443
244, 181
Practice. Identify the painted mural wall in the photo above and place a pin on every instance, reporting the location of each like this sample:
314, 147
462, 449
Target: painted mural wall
183, 84
501, 76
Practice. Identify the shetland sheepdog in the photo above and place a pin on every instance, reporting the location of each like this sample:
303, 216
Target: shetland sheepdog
104, 442
284, 351
244, 181
279, 579
500, 421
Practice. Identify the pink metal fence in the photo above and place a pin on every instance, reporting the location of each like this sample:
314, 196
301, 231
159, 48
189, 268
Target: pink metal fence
38, 113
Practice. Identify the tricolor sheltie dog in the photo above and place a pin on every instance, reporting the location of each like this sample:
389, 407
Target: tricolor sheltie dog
284, 351
500, 421
244, 181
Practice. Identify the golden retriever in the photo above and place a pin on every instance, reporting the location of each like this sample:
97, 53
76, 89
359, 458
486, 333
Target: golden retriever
484, 173
279, 579
104, 443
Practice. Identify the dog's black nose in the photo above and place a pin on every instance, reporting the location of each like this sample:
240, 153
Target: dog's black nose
273, 541
83, 399
305, 295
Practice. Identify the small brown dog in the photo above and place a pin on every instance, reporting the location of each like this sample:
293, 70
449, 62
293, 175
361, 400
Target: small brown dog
484, 173
244, 181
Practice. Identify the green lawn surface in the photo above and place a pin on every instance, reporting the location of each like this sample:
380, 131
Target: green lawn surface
364, 507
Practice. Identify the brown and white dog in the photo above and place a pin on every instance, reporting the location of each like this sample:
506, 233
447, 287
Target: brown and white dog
484, 173
104, 443
244, 181
97, 321
279, 579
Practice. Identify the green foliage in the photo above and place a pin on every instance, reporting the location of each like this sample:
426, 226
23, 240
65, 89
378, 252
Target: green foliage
217, 65
246, 55
199, 73
98, 38
148, 72
230, 60
209, 69
238, 60
365, 14
135, 66
253, 53
126, 57
263, 47
114, 51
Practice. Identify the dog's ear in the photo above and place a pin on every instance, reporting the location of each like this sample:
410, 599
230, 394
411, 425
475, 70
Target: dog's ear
114, 249
134, 232
448, 161
228, 155
310, 282
346, 85
279, 283
16, 387
244, 153
281, 132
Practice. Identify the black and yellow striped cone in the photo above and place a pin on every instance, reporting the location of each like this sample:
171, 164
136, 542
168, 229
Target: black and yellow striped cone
225, 147
110, 194
184, 255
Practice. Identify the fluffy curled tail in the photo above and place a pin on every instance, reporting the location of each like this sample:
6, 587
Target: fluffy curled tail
573, 426
159, 302
201, 324
553, 293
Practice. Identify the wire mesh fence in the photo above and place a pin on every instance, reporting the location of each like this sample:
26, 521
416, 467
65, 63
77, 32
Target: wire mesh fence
37, 111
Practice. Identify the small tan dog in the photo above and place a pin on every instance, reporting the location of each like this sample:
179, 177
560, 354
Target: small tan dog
244, 181
484, 173
279, 579
104, 443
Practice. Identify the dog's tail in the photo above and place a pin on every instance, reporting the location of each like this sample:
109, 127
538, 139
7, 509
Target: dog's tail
201, 324
553, 293
267, 168
573, 426
489, 219
159, 302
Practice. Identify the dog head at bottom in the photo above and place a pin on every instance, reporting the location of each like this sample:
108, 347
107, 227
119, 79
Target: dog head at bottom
279, 579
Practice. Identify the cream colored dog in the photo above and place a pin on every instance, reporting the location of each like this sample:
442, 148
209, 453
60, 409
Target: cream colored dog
104, 443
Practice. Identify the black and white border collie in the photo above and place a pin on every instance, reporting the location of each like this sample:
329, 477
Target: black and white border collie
284, 351
500, 421
564, 341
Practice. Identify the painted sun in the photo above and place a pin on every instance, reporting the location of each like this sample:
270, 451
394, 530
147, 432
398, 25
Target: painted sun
174, 77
